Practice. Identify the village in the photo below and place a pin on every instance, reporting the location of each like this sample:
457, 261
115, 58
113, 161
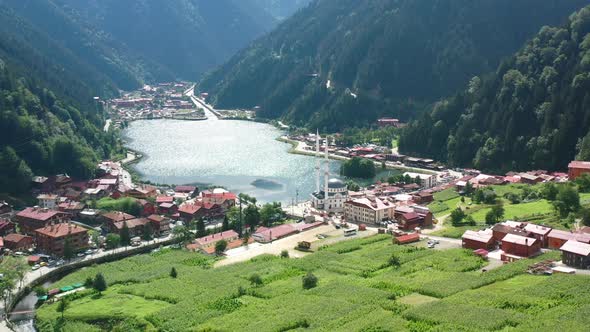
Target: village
161, 101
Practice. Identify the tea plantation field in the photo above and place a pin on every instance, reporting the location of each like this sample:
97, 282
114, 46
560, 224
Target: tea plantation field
357, 290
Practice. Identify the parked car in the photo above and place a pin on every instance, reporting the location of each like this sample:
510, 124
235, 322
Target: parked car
36, 267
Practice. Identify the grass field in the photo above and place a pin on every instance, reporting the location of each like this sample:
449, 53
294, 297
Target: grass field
357, 291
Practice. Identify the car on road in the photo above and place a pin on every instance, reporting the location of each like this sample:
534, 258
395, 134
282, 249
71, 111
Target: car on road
81, 254
36, 267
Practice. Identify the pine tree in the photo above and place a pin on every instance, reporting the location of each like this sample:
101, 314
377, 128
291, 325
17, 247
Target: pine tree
99, 284
125, 237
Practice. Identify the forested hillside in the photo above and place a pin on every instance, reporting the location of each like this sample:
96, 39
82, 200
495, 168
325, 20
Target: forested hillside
187, 37
43, 135
382, 57
533, 112
279, 9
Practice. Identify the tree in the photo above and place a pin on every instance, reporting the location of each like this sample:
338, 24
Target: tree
112, 241
470, 221
352, 186
68, 250
173, 273
394, 261
125, 237
309, 281
457, 216
583, 182
182, 234
490, 218
220, 247
88, 282
99, 284
567, 200
40, 291
95, 238
586, 216
225, 225
62, 306
468, 188
285, 254
358, 168
255, 280
148, 232
271, 213
251, 216
498, 211
201, 230
549, 191
246, 239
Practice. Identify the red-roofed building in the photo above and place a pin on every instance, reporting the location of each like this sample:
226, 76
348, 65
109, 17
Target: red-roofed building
18, 242
136, 226
557, 238
32, 218
196, 210
52, 239
6, 227
576, 254
160, 225
516, 245
478, 240
577, 168
226, 199
389, 122
164, 199
210, 240
406, 238
167, 208
265, 235
147, 208
186, 189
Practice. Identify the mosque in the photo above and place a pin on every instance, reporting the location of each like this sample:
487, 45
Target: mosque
334, 193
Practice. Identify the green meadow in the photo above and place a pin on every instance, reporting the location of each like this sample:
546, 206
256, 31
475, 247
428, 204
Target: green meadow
358, 290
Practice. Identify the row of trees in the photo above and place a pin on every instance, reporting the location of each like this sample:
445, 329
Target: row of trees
357, 167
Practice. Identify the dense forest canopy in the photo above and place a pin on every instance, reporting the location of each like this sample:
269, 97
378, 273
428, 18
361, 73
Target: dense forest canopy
533, 112
43, 135
382, 57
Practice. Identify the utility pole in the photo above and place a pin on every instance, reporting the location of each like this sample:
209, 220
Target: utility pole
241, 224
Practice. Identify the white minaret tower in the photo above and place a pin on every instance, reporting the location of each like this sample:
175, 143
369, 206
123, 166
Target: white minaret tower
318, 161
327, 173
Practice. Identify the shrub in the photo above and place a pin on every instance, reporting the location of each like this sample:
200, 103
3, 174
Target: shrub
284, 254
309, 281
255, 280
173, 273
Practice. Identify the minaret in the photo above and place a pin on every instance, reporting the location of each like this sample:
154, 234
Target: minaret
317, 166
327, 172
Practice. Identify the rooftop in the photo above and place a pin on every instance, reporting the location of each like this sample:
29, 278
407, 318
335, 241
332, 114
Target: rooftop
579, 164
521, 240
213, 238
37, 213
61, 230
480, 236
576, 247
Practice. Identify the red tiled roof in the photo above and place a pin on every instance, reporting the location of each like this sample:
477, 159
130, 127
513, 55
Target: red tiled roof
576, 247
407, 238
185, 189
579, 164
164, 199
131, 223
410, 216
213, 238
117, 216
60, 230
15, 237
189, 208
38, 213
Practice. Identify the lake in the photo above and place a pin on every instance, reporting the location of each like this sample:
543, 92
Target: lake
242, 156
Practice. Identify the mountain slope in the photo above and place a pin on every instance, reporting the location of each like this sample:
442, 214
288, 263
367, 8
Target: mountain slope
532, 113
187, 37
381, 57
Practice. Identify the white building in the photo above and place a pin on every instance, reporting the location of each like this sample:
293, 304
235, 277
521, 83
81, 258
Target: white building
334, 193
47, 201
370, 210
427, 180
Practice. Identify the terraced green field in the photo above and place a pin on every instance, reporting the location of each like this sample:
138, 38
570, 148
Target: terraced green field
357, 290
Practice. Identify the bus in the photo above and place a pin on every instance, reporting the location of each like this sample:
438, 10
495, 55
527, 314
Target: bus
350, 232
